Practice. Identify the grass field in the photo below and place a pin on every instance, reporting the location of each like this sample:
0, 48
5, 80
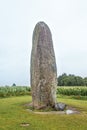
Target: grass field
13, 113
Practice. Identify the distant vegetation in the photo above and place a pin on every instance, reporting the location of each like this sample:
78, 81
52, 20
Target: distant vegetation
14, 91
20, 90
71, 80
74, 89
76, 92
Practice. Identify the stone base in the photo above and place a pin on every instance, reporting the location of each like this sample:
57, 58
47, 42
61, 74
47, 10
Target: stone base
57, 107
52, 110
41, 108
60, 106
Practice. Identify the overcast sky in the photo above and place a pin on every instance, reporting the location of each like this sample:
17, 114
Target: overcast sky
67, 20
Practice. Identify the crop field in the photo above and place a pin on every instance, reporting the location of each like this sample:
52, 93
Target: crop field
19, 91
14, 91
74, 92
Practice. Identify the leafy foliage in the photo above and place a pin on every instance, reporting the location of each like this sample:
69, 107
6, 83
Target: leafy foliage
76, 91
71, 80
13, 84
14, 91
19, 91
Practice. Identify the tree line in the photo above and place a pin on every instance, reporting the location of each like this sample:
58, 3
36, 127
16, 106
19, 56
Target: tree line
71, 80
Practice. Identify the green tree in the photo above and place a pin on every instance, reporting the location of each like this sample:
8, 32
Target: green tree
13, 84
85, 81
71, 80
61, 79
79, 81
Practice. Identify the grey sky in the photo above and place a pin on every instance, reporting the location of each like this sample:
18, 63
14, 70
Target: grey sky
67, 20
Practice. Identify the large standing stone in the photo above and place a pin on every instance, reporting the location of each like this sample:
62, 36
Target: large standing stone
43, 67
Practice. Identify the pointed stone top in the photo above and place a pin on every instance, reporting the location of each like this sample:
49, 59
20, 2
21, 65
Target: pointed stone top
42, 24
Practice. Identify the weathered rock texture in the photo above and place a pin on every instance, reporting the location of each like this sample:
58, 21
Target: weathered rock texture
43, 67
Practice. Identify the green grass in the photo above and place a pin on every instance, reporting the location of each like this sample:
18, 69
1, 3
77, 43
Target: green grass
13, 113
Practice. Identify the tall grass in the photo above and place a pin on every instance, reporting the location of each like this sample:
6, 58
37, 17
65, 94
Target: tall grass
80, 91
20, 90
14, 91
